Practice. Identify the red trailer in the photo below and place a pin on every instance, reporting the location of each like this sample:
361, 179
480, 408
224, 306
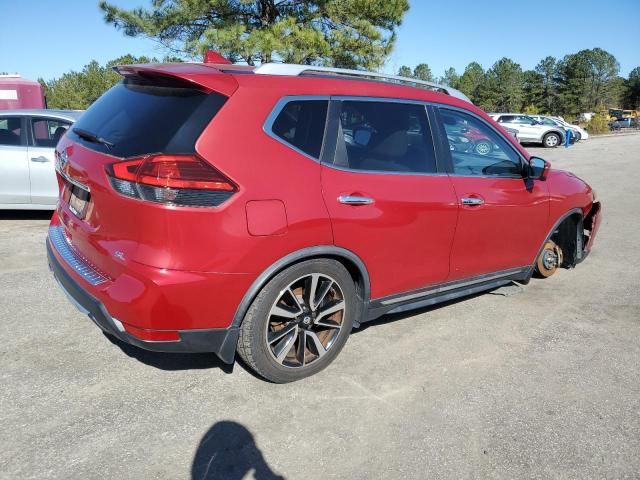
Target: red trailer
15, 92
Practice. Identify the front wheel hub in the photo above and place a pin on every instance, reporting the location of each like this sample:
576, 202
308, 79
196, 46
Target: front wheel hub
550, 259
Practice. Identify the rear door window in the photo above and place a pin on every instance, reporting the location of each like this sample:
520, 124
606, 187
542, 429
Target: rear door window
47, 132
301, 124
11, 131
140, 116
384, 137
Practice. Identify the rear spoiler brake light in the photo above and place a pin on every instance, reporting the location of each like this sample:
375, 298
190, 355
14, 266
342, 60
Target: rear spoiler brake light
197, 75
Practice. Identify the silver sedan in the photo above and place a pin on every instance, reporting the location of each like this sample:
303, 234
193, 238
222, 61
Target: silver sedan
27, 165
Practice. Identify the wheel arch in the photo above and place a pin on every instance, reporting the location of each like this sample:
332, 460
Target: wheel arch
354, 265
557, 131
573, 215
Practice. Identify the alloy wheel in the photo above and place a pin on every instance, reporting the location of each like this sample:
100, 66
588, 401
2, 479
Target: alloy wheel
305, 320
552, 140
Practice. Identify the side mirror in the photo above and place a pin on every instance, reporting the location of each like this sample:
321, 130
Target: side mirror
538, 168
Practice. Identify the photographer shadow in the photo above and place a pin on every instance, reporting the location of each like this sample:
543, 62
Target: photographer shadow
228, 451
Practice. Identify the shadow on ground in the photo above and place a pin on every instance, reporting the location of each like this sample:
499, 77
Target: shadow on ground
228, 451
171, 361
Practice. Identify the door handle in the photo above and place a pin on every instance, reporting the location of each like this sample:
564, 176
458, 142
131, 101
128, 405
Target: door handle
355, 200
40, 159
471, 201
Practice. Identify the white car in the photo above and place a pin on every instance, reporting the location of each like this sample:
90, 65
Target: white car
531, 131
583, 133
27, 164
576, 132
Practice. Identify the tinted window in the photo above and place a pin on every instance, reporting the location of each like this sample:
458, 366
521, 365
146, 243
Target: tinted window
526, 120
10, 131
476, 149
384, 136
507, 119
47, 132
301, 124
546, 121
141, 116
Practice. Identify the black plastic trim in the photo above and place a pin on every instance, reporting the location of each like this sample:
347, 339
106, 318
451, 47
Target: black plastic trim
444, 292
221, 341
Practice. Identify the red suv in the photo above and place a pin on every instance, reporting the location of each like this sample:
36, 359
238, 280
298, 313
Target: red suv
270, 210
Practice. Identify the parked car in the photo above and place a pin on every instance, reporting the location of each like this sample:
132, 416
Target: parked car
623, 123
584, 135
531, 131
269, 210
576, 132
27, 141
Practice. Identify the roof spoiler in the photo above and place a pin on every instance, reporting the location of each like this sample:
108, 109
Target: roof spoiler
198, 74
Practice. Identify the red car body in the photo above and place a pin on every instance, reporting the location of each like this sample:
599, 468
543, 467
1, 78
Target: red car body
180, 278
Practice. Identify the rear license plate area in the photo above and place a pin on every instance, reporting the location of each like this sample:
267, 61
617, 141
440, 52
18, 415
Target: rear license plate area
77, 199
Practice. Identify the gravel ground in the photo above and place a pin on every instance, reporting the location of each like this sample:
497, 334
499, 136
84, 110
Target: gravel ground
544, 383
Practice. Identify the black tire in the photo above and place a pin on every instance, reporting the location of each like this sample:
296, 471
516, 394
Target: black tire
253, 345
549, 142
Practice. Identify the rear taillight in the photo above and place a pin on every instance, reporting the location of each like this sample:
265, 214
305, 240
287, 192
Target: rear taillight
184, 180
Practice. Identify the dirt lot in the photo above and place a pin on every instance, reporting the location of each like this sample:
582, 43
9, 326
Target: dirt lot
541, 384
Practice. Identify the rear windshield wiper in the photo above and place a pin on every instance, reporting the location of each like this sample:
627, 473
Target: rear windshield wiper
92, 137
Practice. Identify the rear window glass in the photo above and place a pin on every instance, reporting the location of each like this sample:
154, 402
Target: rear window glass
141, 116
301, 124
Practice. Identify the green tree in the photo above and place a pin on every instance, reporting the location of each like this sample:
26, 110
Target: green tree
534, 92
547, 69
503, 87
78, 90
423, 72
405, 71
632, 94
450, 78
471, 81
339, 33
587, 79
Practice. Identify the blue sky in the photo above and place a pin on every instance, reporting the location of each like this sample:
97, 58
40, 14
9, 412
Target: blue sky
43, 38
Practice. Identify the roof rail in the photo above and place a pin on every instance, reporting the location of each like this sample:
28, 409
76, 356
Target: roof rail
298, 70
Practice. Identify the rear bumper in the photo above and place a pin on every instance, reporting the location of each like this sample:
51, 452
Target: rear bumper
221, 341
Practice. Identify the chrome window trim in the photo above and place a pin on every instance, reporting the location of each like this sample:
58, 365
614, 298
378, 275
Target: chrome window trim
280, 104
267, 127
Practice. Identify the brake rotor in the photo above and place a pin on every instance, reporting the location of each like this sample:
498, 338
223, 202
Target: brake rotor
549, 259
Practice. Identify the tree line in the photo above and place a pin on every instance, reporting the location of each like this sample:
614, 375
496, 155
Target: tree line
357, 34
586, 81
